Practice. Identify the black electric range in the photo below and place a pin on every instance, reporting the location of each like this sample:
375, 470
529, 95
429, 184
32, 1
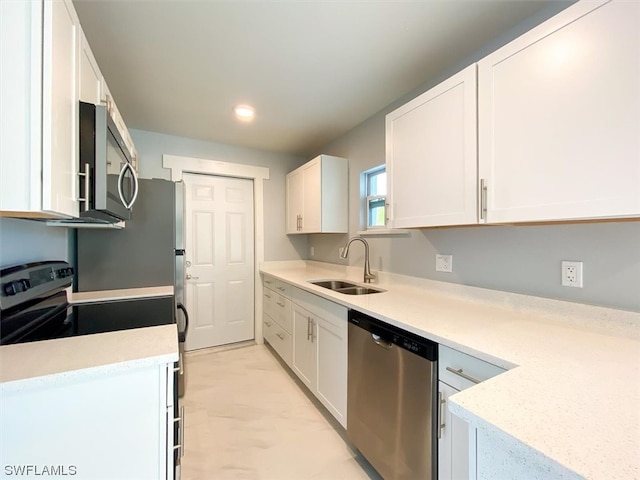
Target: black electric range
34, 307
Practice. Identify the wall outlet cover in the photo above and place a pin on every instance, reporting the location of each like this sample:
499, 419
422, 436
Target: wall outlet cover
444, 263
571, 274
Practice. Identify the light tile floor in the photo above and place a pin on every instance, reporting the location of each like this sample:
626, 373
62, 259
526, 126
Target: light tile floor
248, 418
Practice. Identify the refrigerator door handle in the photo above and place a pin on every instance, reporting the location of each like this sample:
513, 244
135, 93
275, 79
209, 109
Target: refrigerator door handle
186, 318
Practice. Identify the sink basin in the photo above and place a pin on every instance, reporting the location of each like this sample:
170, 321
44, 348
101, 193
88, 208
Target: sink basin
334, 284
347, 288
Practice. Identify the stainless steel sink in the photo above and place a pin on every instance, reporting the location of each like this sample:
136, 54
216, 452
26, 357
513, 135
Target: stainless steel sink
347, 288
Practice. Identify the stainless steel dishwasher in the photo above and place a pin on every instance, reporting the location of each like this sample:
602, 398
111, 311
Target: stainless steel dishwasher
391, 398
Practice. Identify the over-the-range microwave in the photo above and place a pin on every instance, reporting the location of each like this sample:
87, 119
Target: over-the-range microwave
108, 184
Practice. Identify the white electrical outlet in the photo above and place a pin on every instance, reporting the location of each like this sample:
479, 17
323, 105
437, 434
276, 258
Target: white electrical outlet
444, 263
572, 274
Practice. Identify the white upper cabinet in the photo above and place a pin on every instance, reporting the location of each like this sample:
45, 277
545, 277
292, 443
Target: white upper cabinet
431, 156
91, 82
317, 196
559, 118
39, 93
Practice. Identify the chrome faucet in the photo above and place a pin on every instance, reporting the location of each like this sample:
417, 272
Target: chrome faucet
368, 276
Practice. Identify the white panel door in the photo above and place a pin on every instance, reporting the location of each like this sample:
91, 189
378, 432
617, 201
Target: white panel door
219, 264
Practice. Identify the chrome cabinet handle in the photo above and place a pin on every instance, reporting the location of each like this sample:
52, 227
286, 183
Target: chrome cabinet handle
313, 330
282, 289
268, 282
483, 199
280, 336
441, 424
267, 295
379, 341
460, 373
87, 186
308, 328
280, 304
267, 324
191, 277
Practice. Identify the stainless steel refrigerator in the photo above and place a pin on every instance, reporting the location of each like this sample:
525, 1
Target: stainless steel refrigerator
148, 252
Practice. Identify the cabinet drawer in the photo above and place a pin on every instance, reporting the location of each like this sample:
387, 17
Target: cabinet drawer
269, 298
280, 340
277, 286
282, 313
269, 282
463, 366
283, 288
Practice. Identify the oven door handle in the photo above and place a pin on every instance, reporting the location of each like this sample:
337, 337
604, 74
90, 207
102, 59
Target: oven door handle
180, 306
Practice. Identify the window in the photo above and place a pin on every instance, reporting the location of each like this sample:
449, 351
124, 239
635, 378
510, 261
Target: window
375, 193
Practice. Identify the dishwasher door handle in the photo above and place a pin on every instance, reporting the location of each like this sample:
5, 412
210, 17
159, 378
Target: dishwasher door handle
379, 341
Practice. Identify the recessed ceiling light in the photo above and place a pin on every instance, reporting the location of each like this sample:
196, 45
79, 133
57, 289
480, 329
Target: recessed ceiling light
244, 112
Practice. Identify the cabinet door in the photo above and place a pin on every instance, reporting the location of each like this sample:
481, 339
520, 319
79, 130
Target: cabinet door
91, 90
60, 108
559, 116
74, 422
294, 201
304, 347
431, 156
20, 106
453, 442
331, 386
312, 197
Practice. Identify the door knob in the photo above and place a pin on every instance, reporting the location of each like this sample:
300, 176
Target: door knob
191, 277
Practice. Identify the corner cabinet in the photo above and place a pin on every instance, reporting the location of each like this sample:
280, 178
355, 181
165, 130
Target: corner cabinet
559, 116
457, 442
431, 156
39, 94
317, 196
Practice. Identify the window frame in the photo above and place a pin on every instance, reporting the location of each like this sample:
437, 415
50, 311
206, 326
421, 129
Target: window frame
368, 199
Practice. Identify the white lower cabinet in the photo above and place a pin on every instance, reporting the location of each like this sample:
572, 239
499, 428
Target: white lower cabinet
454, 443
277, 318
320, 350
456, 439
109, 426
304, 346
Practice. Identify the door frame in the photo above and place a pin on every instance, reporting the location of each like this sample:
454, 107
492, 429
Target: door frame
180, 165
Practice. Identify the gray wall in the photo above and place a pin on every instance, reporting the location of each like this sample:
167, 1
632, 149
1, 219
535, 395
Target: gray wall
520, 259
151, 146
23, 241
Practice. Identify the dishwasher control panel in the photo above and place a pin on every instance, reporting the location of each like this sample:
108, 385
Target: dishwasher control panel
383, 332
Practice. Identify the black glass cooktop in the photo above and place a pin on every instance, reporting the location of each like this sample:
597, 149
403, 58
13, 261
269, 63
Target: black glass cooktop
55, 318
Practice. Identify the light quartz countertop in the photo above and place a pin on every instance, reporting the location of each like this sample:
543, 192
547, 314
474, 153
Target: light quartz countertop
33, 364
120, 294
569, 404
50, 362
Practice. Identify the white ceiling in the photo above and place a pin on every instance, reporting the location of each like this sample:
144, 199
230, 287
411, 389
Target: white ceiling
312, 69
